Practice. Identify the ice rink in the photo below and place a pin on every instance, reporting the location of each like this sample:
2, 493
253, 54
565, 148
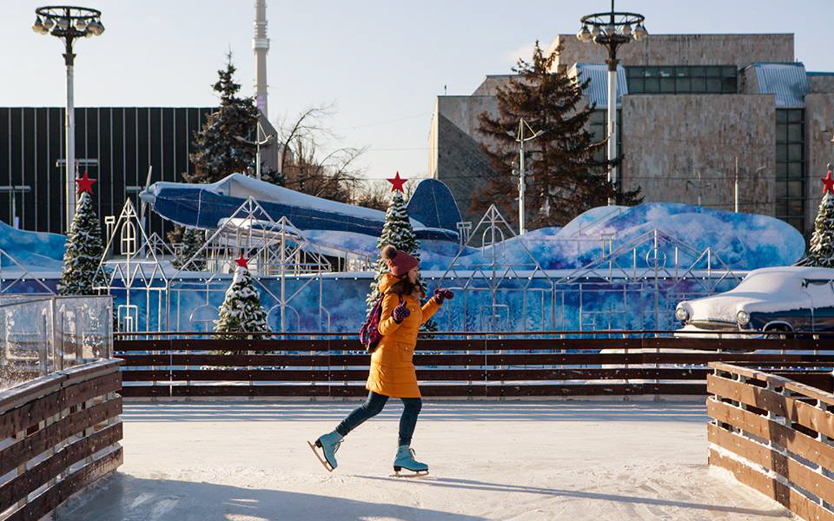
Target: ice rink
509, 460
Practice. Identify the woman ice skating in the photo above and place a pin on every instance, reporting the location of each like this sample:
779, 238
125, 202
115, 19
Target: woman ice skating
392, 373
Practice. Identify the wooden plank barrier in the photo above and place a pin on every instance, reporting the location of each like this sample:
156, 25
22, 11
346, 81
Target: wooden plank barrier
774, 435
59, 433
477, 367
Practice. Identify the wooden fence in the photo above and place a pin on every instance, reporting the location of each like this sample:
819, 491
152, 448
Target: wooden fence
774, 435
58, 433
477, 367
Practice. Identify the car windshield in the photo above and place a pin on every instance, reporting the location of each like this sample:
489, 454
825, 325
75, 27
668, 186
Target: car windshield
769, 283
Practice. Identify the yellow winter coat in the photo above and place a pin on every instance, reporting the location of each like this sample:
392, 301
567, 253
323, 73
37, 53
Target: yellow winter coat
392, 368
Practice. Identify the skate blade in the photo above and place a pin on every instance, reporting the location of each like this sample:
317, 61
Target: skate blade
320, 457
417, 474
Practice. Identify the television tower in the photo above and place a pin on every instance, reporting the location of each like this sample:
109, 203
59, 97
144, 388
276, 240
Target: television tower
260, 44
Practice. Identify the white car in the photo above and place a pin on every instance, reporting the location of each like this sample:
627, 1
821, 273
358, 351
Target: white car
790, 298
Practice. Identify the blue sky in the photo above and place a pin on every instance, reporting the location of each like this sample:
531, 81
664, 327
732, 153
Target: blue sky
381, 62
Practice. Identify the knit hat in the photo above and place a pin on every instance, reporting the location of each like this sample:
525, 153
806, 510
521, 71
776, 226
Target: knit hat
399, 262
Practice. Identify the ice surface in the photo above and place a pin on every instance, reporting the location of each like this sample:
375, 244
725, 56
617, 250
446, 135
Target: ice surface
520, 460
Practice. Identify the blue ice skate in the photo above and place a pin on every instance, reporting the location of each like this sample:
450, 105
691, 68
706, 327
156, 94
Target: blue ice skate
328, 444
405, 460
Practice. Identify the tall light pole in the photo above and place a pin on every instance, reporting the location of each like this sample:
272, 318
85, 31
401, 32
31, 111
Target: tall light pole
69, 23
522, 125
611, 30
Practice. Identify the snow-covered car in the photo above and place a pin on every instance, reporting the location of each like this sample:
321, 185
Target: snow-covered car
770, 300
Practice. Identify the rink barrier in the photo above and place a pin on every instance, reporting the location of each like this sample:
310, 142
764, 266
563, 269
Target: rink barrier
774, 434
59, 434
483, 366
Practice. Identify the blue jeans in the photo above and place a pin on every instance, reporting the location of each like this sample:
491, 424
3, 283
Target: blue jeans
373, 405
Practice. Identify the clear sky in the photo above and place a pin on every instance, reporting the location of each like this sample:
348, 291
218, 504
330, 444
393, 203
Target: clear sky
381, 62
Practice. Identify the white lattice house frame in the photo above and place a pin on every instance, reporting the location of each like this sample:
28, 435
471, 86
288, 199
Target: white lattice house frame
136, 268
491, 231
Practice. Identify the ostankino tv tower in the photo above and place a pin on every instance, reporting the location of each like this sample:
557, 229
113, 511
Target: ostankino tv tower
260, 44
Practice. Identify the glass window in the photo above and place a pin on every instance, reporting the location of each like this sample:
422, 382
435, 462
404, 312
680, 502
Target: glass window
781, 152
699, 85
790, 167
682, 80
781, 171
794, 133
781, 133
713, 85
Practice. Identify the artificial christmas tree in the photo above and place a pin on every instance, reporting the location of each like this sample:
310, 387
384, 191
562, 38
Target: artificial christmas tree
84, 246
396, 231
241, 310
821, 252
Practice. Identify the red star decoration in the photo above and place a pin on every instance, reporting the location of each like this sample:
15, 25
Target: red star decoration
241, 261
85, 184
828, 182
397, 183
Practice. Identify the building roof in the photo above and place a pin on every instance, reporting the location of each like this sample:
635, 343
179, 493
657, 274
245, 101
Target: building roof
597, 91
788, 82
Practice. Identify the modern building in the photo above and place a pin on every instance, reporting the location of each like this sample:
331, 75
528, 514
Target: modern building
123, 148
699, 115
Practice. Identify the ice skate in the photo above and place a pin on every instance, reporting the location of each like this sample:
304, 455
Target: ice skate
325, 449
405, 460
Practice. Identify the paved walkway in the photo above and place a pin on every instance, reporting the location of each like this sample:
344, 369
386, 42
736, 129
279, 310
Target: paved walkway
248, 461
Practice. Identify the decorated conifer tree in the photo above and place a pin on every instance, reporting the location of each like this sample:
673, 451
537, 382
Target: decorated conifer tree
241, 310
396, 231
84, 246
821, 252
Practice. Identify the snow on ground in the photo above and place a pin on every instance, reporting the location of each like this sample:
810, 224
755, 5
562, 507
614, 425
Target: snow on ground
510, 460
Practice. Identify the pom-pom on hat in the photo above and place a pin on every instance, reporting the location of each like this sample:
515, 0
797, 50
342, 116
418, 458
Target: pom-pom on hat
399, 262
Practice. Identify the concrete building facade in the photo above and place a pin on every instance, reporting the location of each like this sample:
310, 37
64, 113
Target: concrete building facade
699, 114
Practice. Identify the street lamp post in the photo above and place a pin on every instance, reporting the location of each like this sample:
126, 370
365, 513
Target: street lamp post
611, 30
69, 23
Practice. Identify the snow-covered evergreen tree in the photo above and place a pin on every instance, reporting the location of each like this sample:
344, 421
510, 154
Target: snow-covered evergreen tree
192, 240
396, 231
821, 252
226, 142
241, 310
84, 250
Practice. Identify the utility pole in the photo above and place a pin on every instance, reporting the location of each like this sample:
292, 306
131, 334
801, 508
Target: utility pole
700, 188
521, 170
735, 194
